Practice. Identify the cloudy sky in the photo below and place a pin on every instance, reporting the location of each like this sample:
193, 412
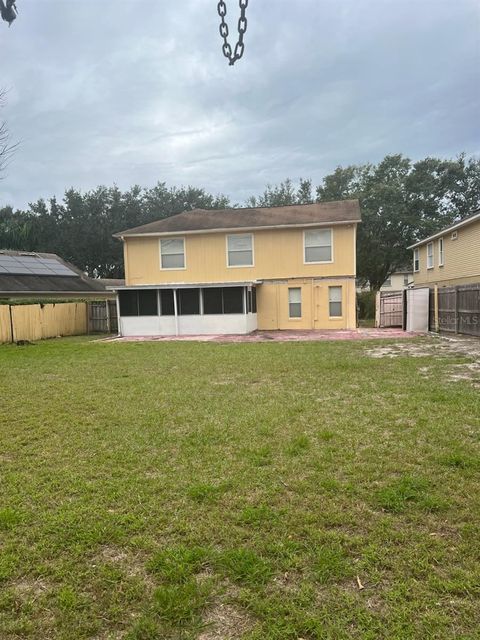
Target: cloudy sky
136, 91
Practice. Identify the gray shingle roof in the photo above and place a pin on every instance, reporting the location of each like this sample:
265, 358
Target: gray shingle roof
59, 277
250, 218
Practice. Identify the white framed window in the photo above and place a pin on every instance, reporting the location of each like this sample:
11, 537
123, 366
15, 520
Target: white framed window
295, 302
317, 246
416, 260
335, 302
240, 250
172, 253
441, 253
388, 282
430, 255
405, 279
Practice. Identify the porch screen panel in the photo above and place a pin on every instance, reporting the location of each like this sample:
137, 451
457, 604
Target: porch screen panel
212, 301
128, 303
188, 302
233, 300
167, 306
147, 303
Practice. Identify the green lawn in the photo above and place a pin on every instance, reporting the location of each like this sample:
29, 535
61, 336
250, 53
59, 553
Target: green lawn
226, 491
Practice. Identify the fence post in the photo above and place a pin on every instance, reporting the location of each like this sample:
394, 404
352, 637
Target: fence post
457, 318
435, 307
11, 323
377, 309
107, 309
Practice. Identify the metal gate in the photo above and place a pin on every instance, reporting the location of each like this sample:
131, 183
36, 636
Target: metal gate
390, 309
102, 317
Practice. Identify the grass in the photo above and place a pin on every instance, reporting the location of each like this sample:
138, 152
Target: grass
227, 491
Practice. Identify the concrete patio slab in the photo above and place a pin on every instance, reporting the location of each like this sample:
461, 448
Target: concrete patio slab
280, 336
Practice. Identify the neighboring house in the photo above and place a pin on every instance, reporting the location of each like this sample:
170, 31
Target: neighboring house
449, 257
45, 276
238, 270
401, 279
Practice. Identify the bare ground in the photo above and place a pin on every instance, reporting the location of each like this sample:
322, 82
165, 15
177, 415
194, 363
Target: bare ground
438, 347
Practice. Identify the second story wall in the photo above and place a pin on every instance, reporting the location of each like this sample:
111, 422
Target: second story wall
461, 258
277, 253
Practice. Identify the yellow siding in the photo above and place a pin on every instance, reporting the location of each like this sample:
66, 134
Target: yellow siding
277, 254
35, 321
273, 308
462, 259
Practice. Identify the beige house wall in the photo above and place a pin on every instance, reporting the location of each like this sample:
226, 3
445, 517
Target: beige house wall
278, 254
461, 263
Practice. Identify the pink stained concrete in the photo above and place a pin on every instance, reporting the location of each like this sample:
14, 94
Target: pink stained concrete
281, 336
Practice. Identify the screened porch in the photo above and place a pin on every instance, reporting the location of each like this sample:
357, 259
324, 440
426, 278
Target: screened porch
187, 309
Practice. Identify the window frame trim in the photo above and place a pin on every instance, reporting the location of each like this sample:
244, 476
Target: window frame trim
294, 318
162, 268
431, 244
441, 254
305, 231
341, 316
239, 266
416, 252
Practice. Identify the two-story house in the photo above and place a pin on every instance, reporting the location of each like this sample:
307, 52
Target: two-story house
233, 271
449, 257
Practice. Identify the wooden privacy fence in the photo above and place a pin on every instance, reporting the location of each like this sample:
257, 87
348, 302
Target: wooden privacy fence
102, 317
389, 309
456, 309
37, 321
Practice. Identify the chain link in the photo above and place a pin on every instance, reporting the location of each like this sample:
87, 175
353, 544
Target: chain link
237, 52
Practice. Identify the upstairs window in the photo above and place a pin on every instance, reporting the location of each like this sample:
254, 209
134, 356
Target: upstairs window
388, 282
405, 279
240, 250
441, 253
295, 302
318, 245
172, 253
416, 260
335, 301
430, 255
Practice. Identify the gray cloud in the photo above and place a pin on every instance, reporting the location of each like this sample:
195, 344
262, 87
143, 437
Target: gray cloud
138, 91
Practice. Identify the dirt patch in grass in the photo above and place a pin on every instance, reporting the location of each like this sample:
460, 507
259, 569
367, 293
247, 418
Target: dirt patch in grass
440, 347
30, 589
225, 622
132, 564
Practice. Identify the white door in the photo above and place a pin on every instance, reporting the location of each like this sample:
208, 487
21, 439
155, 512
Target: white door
417, 309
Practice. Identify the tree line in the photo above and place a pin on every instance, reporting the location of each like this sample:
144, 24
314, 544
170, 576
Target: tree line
401, 201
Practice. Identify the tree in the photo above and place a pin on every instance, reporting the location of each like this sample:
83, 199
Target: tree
401, 202
6, 147
80, 228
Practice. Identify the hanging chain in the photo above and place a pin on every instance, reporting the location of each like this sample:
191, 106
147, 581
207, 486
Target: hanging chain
237, 53
8, 11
